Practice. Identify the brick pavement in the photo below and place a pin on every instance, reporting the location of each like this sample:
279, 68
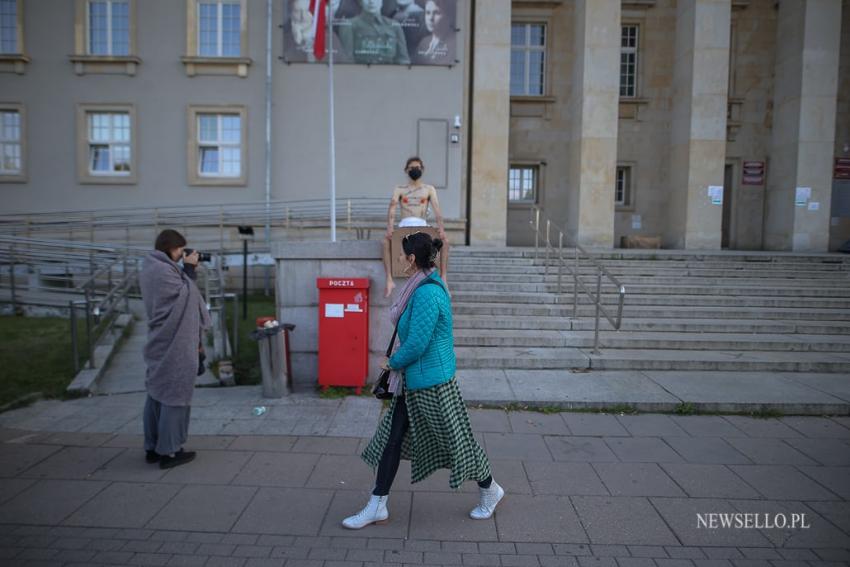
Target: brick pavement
583, 489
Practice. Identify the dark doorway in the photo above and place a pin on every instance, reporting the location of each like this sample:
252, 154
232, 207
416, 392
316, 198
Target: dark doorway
726, 227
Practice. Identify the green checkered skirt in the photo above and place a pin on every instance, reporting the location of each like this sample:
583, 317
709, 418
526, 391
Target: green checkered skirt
439, 436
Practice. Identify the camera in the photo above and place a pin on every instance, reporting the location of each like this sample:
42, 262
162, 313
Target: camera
202, 256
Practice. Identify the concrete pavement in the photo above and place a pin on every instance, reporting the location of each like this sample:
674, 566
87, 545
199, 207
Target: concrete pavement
583, 489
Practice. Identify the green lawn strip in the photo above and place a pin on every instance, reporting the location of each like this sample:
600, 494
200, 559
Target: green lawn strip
35, 355
246, 365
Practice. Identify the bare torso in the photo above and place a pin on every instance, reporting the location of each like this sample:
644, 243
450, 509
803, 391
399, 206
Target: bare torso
412, 200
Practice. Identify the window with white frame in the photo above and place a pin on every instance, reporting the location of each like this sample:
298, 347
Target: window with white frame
623, 186
109, 143
8, 26
219, 145
528, 54
629, 60
11, 160
219, 28
522, 184
108, 26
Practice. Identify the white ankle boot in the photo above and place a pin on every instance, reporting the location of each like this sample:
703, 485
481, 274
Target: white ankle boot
490, 497
375, 512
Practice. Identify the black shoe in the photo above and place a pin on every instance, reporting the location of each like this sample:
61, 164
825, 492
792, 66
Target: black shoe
152, 456
181, 457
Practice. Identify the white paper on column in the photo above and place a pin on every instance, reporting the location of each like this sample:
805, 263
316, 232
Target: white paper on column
636, 222
803, 194
715, 193
334, 310
814, 206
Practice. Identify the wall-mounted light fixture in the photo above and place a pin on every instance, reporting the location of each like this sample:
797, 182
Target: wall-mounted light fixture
457, 121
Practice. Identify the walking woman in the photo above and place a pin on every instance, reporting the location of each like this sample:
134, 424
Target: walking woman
427, 421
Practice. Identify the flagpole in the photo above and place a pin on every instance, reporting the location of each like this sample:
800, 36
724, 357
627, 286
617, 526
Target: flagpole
329, 26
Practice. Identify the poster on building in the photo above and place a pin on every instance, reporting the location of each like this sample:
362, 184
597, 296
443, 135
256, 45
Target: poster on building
752, 173
842, 168
375, 32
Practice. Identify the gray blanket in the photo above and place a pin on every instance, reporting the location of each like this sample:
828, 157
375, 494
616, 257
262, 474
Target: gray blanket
177, 317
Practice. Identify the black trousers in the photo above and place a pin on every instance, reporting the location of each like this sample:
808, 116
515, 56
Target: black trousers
390, 459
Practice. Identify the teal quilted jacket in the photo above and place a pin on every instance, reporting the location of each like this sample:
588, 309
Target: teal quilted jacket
427, 353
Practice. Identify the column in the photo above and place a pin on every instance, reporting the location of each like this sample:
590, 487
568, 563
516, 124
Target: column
698, 126
594, 106
490, 123
808, 39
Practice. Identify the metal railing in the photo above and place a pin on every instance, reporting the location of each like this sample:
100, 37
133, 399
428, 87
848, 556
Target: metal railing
578, 255
136, 227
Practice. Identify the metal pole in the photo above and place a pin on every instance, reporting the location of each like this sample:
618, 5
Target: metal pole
546, 263
235, 325
268, 227
536, 230
560, 258
598, 306
329, 26
89, 329
575, 285
74, 347
12, 279
244, 279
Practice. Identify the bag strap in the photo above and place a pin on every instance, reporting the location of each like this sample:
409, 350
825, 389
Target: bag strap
426, 281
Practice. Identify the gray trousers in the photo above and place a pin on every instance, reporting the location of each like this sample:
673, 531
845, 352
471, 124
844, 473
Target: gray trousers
166, 427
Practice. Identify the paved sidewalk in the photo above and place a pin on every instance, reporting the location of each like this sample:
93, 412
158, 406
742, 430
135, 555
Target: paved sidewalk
583, 489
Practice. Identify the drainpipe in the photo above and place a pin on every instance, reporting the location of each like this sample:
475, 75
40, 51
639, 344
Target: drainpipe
469, 121
268, 228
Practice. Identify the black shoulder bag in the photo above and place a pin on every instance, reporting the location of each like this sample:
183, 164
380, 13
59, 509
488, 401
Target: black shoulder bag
381, 389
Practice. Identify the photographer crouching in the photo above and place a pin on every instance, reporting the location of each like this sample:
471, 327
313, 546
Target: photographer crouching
177, 317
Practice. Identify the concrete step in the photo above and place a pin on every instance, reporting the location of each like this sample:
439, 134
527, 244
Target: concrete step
667, 270
653, 312
653, 340
679, 325
763, 289
834, 281
462, 297
618, 359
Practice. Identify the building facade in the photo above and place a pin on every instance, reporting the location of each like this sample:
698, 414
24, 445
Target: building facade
708, 123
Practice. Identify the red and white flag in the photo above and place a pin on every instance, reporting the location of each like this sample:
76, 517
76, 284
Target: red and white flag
318, 8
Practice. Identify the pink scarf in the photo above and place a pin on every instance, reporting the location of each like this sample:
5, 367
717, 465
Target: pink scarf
397, 308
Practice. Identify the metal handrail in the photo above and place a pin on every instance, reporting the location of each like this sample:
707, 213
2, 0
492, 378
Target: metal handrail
596, 299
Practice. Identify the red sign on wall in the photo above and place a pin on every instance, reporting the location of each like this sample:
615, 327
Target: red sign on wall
842, 168
752, 173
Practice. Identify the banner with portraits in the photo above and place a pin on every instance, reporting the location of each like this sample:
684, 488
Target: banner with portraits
376, 32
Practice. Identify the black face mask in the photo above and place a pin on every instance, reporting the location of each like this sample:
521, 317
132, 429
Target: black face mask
414, 173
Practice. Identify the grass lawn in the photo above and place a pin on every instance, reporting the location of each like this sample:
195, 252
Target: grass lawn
246, 366
35, 355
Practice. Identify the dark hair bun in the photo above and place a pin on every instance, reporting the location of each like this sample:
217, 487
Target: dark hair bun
437, 244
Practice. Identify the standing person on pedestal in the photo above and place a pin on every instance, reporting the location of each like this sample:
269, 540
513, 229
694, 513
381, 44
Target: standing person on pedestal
414, 199
176, 319
427, 422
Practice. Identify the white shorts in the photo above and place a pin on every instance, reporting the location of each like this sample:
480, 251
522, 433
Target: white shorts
412, 221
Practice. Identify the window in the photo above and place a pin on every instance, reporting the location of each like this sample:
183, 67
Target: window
108, 28
623, 186
106, 146
105, 37
219, 29
216, 38
628, 60
218, 145
11, 143
8, 26
109, 143
528, 50
522, 184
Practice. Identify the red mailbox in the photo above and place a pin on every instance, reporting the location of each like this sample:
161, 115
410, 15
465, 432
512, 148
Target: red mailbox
343, 331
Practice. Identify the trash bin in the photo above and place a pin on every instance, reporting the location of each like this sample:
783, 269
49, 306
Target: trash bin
343, 332
273, 343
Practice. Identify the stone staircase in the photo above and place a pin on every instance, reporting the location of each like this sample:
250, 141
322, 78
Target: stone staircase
731, 311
